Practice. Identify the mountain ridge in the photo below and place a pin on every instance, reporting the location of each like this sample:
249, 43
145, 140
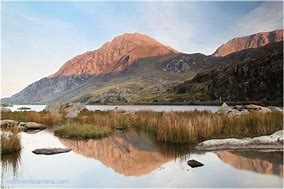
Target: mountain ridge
250, 41
136, 74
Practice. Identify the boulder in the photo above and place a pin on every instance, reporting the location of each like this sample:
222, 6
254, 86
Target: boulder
252, 107
70, 110
193, 163
274, 141
51, 151
275, 109
7, 123
239, 110
4, 109
31, 126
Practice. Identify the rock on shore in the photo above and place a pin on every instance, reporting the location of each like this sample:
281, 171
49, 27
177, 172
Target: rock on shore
239, 110
70, 110
274, 141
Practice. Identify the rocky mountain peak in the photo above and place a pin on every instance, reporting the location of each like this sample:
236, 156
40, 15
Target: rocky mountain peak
247, 42
115, 55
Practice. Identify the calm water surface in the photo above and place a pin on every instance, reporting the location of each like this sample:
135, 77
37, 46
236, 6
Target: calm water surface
129, 107
130, 159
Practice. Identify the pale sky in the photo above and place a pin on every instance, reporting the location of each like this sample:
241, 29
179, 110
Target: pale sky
38, 37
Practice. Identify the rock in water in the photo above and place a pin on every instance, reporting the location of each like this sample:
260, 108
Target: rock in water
32, 126
51, 151
193, 163
274, 141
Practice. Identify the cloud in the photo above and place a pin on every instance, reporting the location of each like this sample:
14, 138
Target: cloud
266, 17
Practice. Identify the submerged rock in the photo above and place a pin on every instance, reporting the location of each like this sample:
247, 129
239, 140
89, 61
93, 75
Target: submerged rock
31, 126
8, 123
51, 151
274, 141
193, 163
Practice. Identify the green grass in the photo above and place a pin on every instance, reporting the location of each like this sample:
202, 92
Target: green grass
83, 131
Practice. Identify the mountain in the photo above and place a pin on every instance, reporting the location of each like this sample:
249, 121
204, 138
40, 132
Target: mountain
136, 68
130, 68
114, 56
251, 41
257, 77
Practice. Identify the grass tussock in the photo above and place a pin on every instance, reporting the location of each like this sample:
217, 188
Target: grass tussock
10, 143
82, 131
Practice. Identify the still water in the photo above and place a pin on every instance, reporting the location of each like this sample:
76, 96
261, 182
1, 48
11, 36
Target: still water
131, 159
129, 107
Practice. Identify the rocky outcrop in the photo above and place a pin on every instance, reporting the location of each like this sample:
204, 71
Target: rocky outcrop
51, 151
274, 141
115, 95
239, 110
69, 110
258, 78
251, 41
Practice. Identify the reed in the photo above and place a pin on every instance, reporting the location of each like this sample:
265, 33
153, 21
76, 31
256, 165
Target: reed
10, 142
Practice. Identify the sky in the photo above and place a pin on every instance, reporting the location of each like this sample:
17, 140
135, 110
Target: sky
37, 38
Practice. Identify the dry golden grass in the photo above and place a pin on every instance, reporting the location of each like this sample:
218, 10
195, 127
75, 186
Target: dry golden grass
174, 127
45, 118
187, 127
10, 142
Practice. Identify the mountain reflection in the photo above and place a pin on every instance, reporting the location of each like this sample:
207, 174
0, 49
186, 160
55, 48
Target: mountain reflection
261, 162
127, 153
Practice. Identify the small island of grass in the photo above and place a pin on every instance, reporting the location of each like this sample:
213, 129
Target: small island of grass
83, 131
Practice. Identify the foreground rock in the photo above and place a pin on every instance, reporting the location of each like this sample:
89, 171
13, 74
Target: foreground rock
25, 126
51, 151
239, 110
70, 110
8, 123
274, 141
4, 109
193, 163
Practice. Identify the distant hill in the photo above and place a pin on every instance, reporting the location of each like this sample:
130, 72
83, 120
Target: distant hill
255, 78
251, 41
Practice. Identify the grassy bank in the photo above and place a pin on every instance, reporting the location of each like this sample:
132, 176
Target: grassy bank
10, 143
82, 131
173, 127
187, 127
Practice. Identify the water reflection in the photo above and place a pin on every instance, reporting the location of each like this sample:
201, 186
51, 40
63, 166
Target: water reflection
128, 153
270, 163
9, 164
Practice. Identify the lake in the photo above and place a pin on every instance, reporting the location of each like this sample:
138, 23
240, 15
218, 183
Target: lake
130, 107
131, 159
